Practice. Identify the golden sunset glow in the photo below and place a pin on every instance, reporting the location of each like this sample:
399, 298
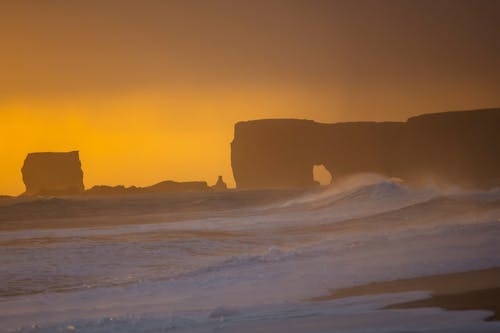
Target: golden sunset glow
152, 92
281, 166
140, 138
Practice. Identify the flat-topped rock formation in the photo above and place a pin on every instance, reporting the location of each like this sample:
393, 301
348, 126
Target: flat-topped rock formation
53, 174
461, 147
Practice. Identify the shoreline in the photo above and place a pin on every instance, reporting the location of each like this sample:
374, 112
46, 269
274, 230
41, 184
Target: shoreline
470, 290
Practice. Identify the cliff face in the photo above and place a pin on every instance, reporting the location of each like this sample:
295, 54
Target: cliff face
52, 174
460, 147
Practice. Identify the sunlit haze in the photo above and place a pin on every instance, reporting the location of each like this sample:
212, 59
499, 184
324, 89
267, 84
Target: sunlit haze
151, 92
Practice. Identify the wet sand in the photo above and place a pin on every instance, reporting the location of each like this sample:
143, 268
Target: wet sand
473, 290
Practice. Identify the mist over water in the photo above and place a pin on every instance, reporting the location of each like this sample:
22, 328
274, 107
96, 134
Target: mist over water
252, 264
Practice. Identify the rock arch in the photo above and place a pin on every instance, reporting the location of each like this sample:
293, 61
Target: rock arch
459, 147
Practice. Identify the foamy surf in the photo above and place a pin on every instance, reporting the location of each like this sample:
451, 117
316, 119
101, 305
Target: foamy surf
255, 266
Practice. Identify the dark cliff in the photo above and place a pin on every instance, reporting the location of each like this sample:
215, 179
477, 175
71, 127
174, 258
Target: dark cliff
53, 174
461, 147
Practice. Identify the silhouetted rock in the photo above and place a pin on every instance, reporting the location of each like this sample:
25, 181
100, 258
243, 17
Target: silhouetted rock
162, 187
461, 147
220, 185
53, 174
111, 190
171, 186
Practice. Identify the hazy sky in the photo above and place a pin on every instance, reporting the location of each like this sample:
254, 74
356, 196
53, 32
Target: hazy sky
150, 90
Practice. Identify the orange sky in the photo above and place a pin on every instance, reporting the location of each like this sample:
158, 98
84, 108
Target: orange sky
150, 90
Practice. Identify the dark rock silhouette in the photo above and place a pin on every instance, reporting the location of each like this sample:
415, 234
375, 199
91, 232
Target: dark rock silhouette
162, 187
461, 147
220, 185
172, 186
53, 174
111, 190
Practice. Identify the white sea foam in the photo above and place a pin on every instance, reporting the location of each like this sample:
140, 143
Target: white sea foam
184, 276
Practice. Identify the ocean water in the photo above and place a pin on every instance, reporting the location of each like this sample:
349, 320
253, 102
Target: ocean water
254, 268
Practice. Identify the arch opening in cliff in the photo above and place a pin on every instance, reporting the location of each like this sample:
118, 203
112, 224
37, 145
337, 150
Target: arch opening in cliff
321, 175
457, 147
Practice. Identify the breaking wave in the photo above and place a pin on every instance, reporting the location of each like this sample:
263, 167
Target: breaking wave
362, 229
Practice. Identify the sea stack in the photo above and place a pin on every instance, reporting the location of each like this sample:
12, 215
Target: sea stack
53, 173
220, 185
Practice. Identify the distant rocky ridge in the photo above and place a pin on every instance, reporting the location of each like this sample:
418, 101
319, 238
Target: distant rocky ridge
460, 147
163, 187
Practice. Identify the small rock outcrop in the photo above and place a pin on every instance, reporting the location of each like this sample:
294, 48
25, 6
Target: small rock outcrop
220, 185
57, 173
459, 147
